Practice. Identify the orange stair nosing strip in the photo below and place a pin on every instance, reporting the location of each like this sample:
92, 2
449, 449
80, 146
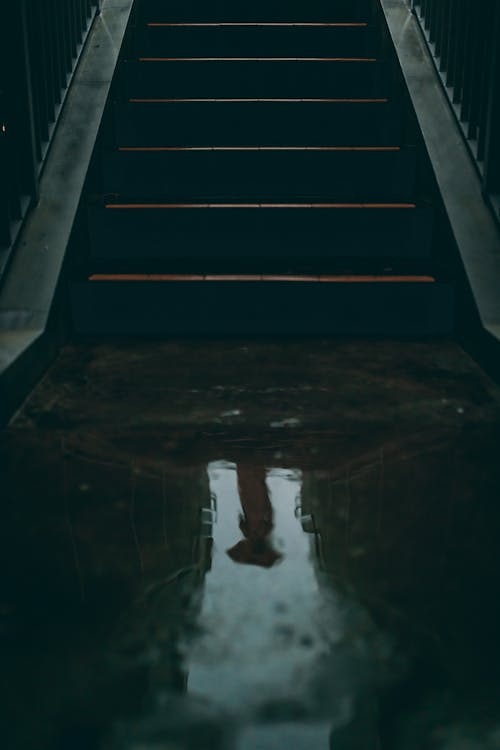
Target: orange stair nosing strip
258, 59
234, 100
259, 148
189, 206
278, 24
337, 279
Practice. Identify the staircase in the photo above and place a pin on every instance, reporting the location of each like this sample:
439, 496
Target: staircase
259, 180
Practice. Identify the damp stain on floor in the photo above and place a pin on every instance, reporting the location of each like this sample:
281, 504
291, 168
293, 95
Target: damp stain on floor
251, 545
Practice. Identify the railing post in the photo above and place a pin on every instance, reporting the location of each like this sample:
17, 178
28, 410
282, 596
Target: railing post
492, 148
25, 119
5, 230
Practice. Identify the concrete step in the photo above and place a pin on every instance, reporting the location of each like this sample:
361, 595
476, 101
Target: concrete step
255, 123
374, 174
259, 233
254, 77
173, 305
272, 10
233, 40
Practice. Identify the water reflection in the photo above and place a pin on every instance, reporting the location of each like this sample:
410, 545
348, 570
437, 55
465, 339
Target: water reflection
276, 643
235, 607
260, 651
256, 523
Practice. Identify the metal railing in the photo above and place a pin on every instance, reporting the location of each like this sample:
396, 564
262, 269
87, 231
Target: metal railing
464, 38
40, 44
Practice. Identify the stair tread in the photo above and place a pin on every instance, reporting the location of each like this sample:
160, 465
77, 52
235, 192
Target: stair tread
245, 231
254, 77
292, 8
241, 38
249, 122
246, 171
272, 10
223, 308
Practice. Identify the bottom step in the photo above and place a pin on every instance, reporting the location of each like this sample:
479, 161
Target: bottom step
158, 305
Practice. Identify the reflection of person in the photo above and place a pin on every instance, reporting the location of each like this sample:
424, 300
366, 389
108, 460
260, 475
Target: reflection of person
256, 523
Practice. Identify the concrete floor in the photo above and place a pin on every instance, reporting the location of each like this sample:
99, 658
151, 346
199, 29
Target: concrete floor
253, 545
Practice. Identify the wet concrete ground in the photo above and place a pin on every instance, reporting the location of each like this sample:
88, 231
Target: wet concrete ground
253, 546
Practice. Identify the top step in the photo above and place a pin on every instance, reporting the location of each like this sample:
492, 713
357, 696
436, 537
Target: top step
256, 40
257, 11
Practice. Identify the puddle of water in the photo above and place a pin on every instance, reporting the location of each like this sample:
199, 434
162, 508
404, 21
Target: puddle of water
270, 641
263, 627
237, 607
285, 736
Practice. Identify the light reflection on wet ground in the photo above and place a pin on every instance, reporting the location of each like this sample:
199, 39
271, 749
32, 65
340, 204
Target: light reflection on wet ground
264, 631
316, 569
271, 647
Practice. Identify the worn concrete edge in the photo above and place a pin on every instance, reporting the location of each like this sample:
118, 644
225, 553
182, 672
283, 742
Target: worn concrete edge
474, 228
29, 337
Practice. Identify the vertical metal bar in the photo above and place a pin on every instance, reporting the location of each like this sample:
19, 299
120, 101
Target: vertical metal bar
77, 31
5, 217
53, 41
83, 15
486, 90
470, 70
64, 11
29, 167
457, 54
53, 68
41, 58
465, 57
72, 29
438, 34
447, 28
492, 127
61, 25
37, 78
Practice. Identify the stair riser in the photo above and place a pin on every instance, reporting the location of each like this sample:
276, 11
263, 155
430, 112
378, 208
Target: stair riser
273, 10
264, 175
257, 123
255, 41
200, 308
260, 234
253, 79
